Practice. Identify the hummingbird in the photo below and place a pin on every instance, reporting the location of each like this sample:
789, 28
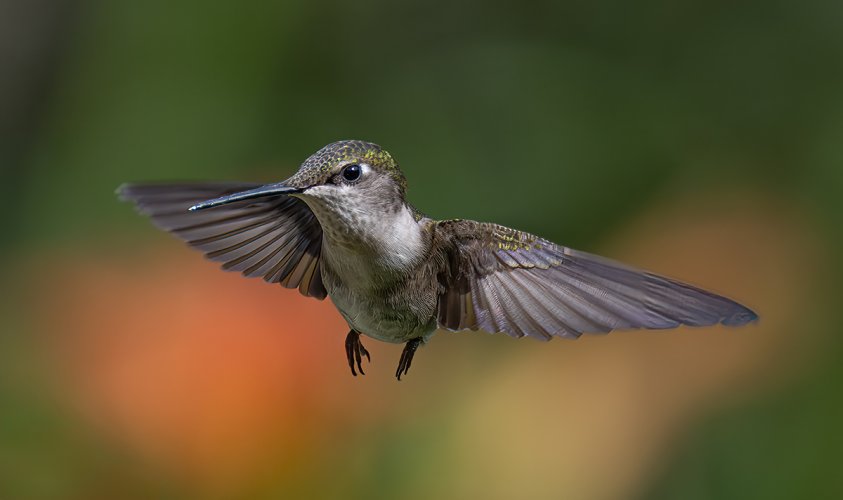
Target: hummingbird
341, 227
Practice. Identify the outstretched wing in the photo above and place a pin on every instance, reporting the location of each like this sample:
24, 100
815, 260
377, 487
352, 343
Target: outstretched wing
503, 280
277, 238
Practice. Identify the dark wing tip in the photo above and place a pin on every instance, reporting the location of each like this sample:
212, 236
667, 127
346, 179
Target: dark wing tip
123, 192
133, 192
138, 194
741, 317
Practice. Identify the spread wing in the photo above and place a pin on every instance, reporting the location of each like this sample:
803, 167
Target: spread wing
503, 280
277, 238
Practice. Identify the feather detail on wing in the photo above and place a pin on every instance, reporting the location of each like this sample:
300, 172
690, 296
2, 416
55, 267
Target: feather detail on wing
277, 238
503, 280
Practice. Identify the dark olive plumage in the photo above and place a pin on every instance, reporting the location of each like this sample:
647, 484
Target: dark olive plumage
341, 227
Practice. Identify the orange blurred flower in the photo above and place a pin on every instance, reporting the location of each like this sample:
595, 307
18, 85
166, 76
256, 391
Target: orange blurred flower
200, 372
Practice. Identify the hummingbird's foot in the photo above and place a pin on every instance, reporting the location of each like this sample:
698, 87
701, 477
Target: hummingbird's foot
355, 351
407, 357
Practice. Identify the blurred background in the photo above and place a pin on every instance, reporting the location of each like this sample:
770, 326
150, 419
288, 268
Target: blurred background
695, 138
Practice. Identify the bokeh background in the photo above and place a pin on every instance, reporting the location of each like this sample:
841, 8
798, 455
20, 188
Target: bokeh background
700, 139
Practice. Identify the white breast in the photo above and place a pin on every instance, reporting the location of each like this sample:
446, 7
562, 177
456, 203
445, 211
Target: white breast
379, 249
361, 279
364, 240
367, 251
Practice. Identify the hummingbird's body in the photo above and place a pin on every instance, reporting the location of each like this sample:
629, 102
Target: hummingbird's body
374, 265
387, 288
341, 227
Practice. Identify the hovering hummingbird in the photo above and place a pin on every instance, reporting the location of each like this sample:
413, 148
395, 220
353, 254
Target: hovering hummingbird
341, 227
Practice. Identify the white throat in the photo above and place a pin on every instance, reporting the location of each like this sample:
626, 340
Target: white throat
363, 242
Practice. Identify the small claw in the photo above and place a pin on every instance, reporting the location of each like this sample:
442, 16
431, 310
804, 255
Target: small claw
407, 357
355, 351
400, 364
349, 350
357, 356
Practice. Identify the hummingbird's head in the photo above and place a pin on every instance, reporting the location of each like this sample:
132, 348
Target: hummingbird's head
349, 183
340, 179
358, 164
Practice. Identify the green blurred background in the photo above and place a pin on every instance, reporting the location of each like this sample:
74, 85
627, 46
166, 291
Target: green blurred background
700, 139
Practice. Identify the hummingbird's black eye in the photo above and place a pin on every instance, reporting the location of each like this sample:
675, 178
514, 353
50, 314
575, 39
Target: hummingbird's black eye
352, 172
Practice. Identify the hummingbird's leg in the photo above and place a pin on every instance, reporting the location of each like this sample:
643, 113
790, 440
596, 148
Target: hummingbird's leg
355, 351
407, 357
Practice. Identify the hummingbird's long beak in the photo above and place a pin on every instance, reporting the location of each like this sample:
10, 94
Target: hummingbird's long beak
259, 192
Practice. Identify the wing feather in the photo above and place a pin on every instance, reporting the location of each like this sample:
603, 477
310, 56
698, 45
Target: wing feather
503, 280
277, 238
